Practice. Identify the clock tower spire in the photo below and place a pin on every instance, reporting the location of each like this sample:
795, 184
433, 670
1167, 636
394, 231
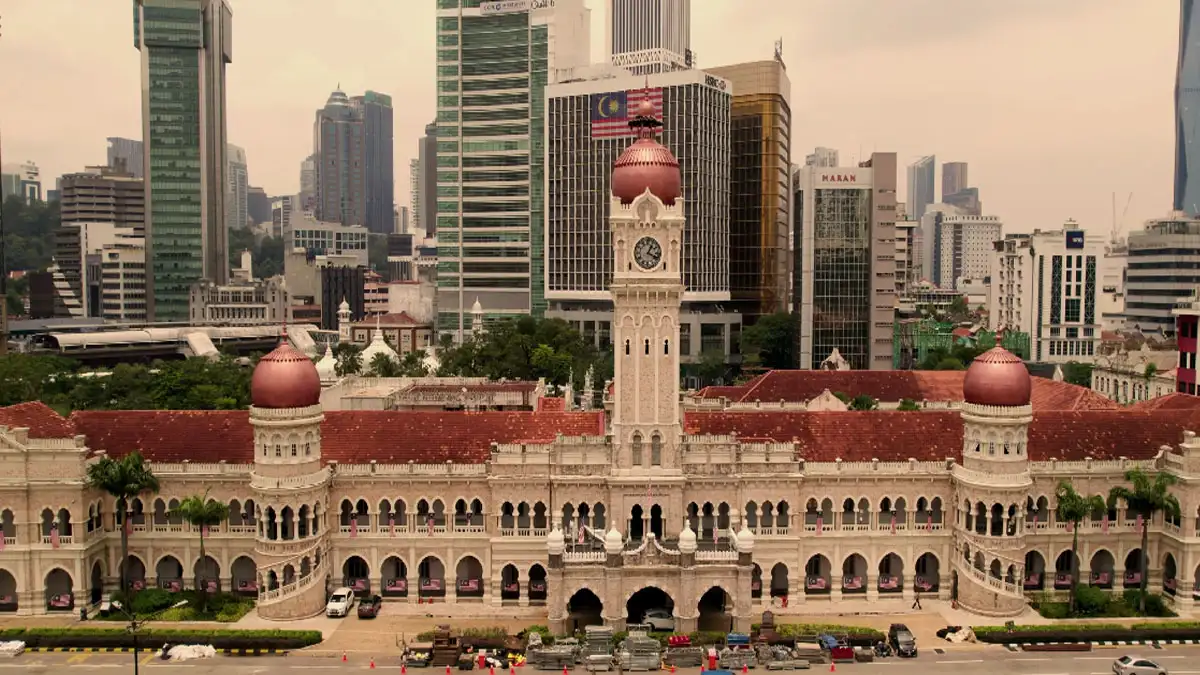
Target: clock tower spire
646, 217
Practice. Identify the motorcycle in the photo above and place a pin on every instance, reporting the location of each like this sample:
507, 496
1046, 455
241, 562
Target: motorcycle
882, 649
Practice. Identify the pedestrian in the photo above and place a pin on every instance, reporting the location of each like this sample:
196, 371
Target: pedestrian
916, 600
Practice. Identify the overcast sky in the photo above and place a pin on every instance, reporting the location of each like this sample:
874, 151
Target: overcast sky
1056, 104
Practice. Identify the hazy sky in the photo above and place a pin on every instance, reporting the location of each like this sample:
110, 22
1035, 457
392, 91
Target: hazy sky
1056, 104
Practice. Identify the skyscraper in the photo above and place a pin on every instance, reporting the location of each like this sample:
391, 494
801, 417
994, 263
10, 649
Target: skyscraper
341, 173
128, 151
414, 192
649, 36
1187, 111
822, 156
920, 185
185, 46
238, 199
427, 154
379, 183
760, 163
494, 60
308, 183
954, 178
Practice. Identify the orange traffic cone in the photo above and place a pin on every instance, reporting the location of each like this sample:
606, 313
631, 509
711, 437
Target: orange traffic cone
832, 666
403, 669
492, 670
372, 663
564, 670
745, 669
343, 657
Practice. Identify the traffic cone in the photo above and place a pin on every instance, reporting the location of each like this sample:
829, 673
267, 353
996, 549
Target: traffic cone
404, 669
512, 670
491, 670
372, 663
832, 666
672, 669
564, 670
343, 657
745, 669
447, 670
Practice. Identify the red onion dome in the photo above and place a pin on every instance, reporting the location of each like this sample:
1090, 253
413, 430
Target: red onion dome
285, 378
647, 164
997, 377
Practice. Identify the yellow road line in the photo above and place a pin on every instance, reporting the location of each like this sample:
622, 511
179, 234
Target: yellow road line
78, 658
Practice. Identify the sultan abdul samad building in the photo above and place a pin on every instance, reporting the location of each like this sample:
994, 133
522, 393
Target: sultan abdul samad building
717, 504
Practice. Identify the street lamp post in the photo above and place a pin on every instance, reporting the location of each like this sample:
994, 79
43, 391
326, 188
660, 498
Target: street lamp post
136, 624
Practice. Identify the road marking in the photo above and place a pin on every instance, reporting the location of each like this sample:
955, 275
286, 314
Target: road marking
963, 661
77, 658
1042, 659
1091, 658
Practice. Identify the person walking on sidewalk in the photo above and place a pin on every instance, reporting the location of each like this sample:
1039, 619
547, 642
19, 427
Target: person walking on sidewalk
916, 600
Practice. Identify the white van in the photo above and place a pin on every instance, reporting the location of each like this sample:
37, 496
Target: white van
340, 603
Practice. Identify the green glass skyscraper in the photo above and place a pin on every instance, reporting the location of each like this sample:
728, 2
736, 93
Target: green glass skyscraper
185, 46
494, 61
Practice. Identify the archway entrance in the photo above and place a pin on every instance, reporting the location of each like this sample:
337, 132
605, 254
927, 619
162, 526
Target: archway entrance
356, 575
645, 600
97, 582
8, 591
716, 611
584, 609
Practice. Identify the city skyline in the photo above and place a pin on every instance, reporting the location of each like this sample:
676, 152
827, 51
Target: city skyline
1037, 163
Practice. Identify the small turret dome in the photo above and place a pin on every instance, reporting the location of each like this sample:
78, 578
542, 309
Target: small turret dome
285, 378
555, 543
327, 366
745, 539
687, 539
613, 543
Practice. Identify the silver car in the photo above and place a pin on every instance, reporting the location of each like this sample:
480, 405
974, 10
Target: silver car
659, 620
1136, 665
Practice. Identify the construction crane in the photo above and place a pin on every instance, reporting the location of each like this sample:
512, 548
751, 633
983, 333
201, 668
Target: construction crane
1117, 225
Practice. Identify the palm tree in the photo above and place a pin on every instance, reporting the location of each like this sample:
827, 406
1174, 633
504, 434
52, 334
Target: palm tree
1147, 497
1073, 508
124, 479
202, 513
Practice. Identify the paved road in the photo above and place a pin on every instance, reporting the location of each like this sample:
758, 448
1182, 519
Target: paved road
981, 661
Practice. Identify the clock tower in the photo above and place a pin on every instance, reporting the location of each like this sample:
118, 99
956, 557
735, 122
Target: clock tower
646, 216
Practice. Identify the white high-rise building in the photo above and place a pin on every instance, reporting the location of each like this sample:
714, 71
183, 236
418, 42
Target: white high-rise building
1046, 285
237, 201
920, 185
959, 246
822, 156
414, 194
649, 36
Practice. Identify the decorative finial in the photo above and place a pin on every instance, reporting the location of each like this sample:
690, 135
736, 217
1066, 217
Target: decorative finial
999, 339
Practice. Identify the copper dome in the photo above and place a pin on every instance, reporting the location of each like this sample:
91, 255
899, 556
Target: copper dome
647, 164
997, 377
285, 378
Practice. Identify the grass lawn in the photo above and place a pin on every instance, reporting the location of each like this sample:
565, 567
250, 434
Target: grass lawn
223, 607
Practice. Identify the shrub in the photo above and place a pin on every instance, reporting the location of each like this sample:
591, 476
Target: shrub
1090, 601
118, 637
223, 607
1155, 605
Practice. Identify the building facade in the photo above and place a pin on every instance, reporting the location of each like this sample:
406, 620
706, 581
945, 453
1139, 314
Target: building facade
238, 196
921, 185
128, 154
248, 304
378, 158
321, 238
954, 178
426, 182
845, 248
760, 126
1163, 258
1187, 329
821, 156
341, 172
1140, 375
497, 495
123, 281
649, 36
21, 180
1187, 111
1047, 285
961, 247
494, 62
185, 47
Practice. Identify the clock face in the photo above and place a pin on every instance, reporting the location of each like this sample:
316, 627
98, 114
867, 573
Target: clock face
647, 253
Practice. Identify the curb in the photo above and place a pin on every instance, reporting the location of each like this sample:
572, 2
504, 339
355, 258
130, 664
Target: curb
253, 652
148, 650
1107, 643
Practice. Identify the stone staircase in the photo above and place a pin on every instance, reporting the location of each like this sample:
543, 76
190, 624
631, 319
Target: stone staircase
981, 592
304, 596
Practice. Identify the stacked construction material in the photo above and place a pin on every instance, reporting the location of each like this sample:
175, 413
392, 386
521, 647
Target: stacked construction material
596, 652
563, 654
639, 651
738, 653
445, 648
681, 653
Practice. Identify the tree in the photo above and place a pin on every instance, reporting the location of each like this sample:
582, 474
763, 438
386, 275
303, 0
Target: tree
1078, 373
202, 513
413, 364
1147, 497
712, 366
523, 348
908, 405
123, 479
863, 402
1073, 508
349, 359
773, 340
32, 378
383, 365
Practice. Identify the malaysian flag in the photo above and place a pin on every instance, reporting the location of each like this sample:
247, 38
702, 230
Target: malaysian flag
54, 535
612, 112
1104, 524
353, 526
391, 525
820, 524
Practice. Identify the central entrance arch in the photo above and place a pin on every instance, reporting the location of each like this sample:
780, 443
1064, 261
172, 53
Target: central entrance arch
648, 598
715, 609
584, 609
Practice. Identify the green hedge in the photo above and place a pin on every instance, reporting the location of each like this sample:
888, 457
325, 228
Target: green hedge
798, 630
153, 638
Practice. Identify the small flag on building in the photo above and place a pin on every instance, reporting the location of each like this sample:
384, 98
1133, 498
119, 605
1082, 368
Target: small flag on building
1104, 524
54, 535
820, 524
391, 524
353, 526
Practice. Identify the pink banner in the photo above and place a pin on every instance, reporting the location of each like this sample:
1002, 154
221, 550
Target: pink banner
820, 525
391, 525
203, 530
581, 533
929, 522
54, 535
1104, 524
893, 524
1139, 522
1070, 526
353, 526
128, 525
429, 525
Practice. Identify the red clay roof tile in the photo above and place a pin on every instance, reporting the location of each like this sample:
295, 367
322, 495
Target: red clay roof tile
39, 418
1172, 401
170, 435
552, 404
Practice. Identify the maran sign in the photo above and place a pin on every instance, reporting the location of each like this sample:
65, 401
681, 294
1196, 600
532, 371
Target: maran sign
839, 178
509, 6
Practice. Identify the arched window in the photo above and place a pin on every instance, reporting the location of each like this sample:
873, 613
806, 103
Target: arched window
307, 449
647, 346
635, 450
666, 347
627, 348
293, 449
279, 451
656, 450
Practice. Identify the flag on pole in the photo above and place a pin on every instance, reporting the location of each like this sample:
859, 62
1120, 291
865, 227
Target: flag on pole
1140, 522
392, 524
582, 529
353, 526
893, 523
612, 112
820, 524
929, 522
54, 535
1104, 524
429, 524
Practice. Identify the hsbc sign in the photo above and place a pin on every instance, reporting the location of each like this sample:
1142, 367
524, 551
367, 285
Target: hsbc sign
508, 6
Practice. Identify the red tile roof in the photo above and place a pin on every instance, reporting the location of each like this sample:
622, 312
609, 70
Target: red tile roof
934, 435
731, 393
552, 404
1173, 401
893, 386
492, 387
39, 418
348, 437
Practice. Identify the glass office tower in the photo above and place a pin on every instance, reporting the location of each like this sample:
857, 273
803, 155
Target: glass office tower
1187, 111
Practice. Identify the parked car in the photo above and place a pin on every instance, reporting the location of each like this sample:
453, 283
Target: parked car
340, 603
369, 608
659, 620
1136, 665
902, 640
